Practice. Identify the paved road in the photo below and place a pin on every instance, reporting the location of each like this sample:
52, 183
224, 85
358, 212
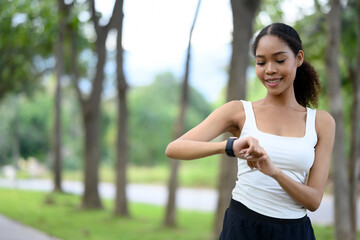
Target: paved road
11, 230
187, 198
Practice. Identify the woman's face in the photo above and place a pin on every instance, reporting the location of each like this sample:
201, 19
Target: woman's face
276, 64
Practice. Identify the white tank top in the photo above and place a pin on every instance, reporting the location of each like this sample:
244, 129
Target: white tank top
293, 155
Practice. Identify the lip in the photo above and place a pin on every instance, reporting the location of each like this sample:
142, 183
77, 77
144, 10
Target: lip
273, 82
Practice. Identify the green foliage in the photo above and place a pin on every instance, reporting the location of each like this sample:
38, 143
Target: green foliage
153, 111
7, 114
312, 29
269, 9
72, 134
27, 35
34, 126
30, 121
27, 123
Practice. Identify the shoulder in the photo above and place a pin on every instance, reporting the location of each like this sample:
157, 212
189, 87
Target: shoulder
231, 107
234, 113
324, 122
235, 105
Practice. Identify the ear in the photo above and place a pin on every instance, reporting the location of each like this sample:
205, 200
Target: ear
300, 58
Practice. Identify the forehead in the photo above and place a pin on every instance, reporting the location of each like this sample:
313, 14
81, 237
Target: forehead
270, 44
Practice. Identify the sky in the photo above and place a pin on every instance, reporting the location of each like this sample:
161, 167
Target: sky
156, 33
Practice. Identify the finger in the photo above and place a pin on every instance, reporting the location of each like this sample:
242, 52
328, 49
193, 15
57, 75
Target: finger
249, 151
257, 152
251, 143
241, 154
254, 148
264, 155
243, 151
250, 164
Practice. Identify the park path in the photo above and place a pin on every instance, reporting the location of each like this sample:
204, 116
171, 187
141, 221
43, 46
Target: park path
187, 198
12, 230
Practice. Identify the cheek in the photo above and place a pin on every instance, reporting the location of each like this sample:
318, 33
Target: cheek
291, 68
292, 72
259, 72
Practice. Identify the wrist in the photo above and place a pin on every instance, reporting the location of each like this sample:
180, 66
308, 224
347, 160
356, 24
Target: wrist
277, 173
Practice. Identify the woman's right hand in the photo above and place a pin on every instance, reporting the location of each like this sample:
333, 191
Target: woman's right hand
247, 147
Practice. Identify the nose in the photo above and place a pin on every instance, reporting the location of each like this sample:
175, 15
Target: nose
270, 68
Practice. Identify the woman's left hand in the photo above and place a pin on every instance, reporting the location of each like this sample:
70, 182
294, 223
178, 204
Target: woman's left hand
263, 162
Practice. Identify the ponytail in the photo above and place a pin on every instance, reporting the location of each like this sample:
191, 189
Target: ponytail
307, 85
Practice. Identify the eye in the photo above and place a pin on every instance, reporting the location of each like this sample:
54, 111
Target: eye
260, 63
280, 61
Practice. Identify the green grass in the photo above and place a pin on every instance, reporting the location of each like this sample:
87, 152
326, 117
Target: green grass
59, 215
199, 173
64, 219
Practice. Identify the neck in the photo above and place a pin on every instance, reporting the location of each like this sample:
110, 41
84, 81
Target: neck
285, 99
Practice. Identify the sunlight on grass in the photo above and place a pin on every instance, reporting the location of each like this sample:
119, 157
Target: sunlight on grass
63, 218
60, 215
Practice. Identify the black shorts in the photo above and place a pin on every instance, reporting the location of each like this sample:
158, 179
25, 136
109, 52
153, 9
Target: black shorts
241, 223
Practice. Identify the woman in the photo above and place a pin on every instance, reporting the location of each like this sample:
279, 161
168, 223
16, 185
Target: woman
283, 146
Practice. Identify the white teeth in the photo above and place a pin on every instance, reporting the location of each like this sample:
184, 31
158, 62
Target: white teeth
274, 81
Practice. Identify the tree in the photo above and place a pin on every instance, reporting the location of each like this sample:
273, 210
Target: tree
122, 156
354, 156
170, 215
340, 174
63, 12
244, 12
90, 105
27, 38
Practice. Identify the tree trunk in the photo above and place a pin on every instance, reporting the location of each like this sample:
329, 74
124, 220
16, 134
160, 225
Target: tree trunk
170, 215
244, 12
121, 206
60, 72
57, 156
340, 174
354, 164
90, 107
91, 118
15, 142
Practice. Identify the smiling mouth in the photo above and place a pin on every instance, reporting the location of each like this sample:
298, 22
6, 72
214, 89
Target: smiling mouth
273, 82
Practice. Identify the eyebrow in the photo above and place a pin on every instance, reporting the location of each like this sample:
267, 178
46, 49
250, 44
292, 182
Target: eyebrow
274, 54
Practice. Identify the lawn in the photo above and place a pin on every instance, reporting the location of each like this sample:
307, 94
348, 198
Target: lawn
201, 173
59, 215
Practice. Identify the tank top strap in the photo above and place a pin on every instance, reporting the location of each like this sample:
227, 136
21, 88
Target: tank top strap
249, 113
310, 124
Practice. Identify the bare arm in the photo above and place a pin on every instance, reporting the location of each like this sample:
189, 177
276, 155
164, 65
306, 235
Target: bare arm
309, 195
196, 142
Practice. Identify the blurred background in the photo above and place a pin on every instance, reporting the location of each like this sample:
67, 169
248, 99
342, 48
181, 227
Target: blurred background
91, 93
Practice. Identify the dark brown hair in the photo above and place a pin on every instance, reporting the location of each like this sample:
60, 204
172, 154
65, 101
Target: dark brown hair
306, 83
